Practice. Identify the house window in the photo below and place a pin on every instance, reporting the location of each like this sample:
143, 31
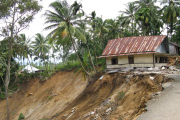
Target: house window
163, 60
114, 61
131, 59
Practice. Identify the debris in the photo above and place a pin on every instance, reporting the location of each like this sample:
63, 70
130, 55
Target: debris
150, 69
113, 71
142, 69
127, 69
101, 77
173, 68
109, 109
165, 85
152, 78
92, 113
163, 68
29, 94
66, 115
87, 114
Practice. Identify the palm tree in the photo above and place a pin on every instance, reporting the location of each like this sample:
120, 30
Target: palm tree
101, 31
41, 47
114, 28
146, 15
92, 22
130, 12
25, 45
171, 12
64, 19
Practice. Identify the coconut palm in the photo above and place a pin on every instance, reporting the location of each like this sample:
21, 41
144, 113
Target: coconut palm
25, 45
40, 47
114, 28
171, 12
63, 20
146, 15
130, 15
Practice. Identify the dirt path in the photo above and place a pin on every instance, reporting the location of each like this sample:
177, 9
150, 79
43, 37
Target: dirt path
165, 106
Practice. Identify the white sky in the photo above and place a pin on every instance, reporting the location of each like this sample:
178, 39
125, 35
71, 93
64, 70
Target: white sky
109, 9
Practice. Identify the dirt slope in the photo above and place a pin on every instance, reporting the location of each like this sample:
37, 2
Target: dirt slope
104, 99
48, 98
65, 96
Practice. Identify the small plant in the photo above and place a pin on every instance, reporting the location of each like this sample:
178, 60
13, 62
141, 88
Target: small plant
21, 116
120, 96
2, 96
120, 118
50, 97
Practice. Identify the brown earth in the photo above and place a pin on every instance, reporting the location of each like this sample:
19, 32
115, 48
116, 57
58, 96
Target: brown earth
67, 96
104, 94
48, 98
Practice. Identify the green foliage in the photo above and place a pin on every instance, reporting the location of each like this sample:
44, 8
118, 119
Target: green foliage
21, 116
120, 96
2, 93
68, 66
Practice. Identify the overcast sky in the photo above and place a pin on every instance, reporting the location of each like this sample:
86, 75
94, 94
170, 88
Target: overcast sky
105, 8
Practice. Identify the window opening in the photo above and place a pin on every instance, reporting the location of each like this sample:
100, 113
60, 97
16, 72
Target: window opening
131, 59
114, 61
163, 60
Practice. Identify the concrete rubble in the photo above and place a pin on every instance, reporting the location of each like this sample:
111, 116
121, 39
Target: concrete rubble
169, 69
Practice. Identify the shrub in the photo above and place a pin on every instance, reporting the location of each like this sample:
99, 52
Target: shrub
120, 96
67, 66
21, 116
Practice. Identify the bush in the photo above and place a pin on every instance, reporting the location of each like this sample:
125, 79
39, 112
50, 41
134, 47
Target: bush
120, 96
2, 96
21, 116
2, 92
67, 66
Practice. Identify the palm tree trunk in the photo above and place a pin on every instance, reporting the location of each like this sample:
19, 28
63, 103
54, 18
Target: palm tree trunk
45, 64
91, 59
77, 53
95, 50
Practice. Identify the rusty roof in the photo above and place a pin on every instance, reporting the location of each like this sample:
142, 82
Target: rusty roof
133, 45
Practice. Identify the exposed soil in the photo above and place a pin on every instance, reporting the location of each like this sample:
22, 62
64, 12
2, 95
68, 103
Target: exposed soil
47, 98
103, 99
67, 96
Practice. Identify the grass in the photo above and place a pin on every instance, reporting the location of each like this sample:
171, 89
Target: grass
67, 66
120, 96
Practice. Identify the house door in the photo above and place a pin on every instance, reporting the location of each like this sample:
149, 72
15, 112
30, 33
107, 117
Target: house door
131, 59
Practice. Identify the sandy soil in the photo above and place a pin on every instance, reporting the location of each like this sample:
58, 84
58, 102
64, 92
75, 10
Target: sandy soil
66, 96
100, 100
48, 97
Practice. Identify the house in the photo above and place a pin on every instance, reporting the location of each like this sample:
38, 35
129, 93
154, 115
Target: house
30, 69
174, 49
141, 51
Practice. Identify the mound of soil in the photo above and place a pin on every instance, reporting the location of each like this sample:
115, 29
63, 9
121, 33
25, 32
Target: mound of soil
116, 96
66, 96
37, 100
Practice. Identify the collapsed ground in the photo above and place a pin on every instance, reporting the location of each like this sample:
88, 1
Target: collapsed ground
67, 96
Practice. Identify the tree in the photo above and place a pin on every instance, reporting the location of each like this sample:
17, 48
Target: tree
171, 12
18, 14
41, 48
101, 31
92, 22
64, 19
147, 15
130, 12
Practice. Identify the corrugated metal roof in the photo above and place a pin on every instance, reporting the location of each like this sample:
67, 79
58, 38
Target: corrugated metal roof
174, 44
133, 45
